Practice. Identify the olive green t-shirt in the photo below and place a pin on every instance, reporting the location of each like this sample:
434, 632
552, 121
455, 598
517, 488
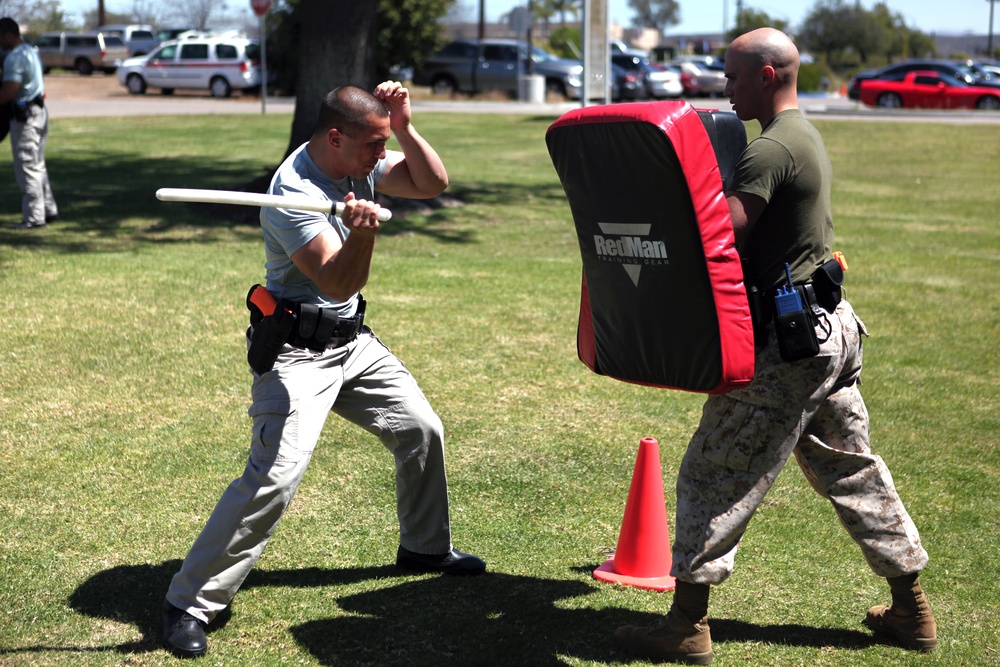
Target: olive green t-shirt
787, 166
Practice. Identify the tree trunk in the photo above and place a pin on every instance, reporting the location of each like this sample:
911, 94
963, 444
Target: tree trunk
336, 47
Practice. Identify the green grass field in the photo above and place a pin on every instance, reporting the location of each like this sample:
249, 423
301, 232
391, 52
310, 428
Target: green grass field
124, 388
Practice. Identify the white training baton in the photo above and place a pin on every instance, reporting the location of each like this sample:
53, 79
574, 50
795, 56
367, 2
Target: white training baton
255, 199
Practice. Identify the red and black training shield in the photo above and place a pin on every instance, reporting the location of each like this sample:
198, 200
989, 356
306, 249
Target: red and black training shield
663, 300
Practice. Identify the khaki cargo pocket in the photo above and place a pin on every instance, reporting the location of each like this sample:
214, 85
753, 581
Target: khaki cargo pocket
274, 428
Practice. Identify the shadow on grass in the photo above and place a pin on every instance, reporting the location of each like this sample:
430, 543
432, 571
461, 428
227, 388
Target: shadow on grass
99, 195
493, 619
430, 620
726, 630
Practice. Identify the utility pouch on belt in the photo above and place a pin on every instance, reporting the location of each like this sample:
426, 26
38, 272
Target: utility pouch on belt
19, 110
318, 328
273, 323
794, 322
760, 311
826, 282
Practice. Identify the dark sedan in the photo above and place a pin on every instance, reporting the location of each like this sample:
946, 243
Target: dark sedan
626, 85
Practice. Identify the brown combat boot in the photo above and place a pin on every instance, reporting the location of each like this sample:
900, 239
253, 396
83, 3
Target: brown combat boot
909, 620
674, 637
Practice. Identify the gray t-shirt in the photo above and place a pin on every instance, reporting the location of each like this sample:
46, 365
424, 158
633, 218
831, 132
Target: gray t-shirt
25, 67
286, 230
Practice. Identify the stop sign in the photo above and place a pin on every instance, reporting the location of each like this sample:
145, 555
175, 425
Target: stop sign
260, 7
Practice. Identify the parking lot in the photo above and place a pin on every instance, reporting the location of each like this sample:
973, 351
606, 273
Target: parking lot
70, 95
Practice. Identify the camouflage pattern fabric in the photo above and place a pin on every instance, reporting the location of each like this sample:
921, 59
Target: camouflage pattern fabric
811, 408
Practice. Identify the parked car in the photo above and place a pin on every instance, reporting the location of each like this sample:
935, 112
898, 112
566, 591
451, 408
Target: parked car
471, 66
898, 71
662, 81
704, 60
84, 52
982, 72
626, 85
702, 80
617, 47
167, 34
989, 67
656, 81
632, 63
929, 90
139, 39
216, 64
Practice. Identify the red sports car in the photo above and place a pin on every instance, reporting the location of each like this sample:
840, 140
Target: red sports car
928, 90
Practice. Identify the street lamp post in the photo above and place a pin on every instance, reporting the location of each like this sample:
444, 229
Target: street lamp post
989, 40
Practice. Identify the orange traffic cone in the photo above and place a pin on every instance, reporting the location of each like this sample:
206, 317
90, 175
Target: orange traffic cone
642, 558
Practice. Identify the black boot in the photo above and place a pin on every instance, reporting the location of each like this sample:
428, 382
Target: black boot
183, 634
453, 562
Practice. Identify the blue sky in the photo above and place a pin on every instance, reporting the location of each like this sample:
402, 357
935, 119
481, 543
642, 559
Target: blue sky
930, 16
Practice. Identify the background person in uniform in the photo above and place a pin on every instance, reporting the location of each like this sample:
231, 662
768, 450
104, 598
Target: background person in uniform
24, 90
324, 260
4, 108
780, 207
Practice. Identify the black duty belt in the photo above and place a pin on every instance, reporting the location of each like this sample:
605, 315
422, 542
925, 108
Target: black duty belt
275, 323
319, 328
823, 289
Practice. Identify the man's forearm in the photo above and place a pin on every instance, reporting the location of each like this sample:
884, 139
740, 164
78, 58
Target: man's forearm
423, 163
348, 271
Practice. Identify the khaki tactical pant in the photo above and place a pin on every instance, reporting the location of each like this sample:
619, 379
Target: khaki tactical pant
27, 142
363, 383
811, 408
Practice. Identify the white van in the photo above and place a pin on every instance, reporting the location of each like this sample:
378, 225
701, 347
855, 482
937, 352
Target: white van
139, 39
216, 64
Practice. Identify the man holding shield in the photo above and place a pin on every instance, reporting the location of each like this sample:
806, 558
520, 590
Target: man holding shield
804, 398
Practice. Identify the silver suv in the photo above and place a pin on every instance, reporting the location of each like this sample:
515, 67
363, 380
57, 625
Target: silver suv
471, 66
216, 64
83, 52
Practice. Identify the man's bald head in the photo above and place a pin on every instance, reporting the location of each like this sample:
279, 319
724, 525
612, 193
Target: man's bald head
762, 70
769, 47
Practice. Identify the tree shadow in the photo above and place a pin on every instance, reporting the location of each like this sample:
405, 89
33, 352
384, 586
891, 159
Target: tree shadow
97, 195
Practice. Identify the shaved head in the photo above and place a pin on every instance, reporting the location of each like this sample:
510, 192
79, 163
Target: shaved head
769, 47
762, 71
350, 109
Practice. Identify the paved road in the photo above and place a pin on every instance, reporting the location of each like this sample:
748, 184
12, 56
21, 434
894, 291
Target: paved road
70, 96
833, 108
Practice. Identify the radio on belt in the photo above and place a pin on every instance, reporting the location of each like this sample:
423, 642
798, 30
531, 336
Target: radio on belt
787, 299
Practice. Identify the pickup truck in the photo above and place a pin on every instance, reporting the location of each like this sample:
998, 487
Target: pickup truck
473, 66
928, 90
83, 52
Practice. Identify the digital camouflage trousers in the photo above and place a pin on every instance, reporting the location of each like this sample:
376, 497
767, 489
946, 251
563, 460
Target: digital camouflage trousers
810, 408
